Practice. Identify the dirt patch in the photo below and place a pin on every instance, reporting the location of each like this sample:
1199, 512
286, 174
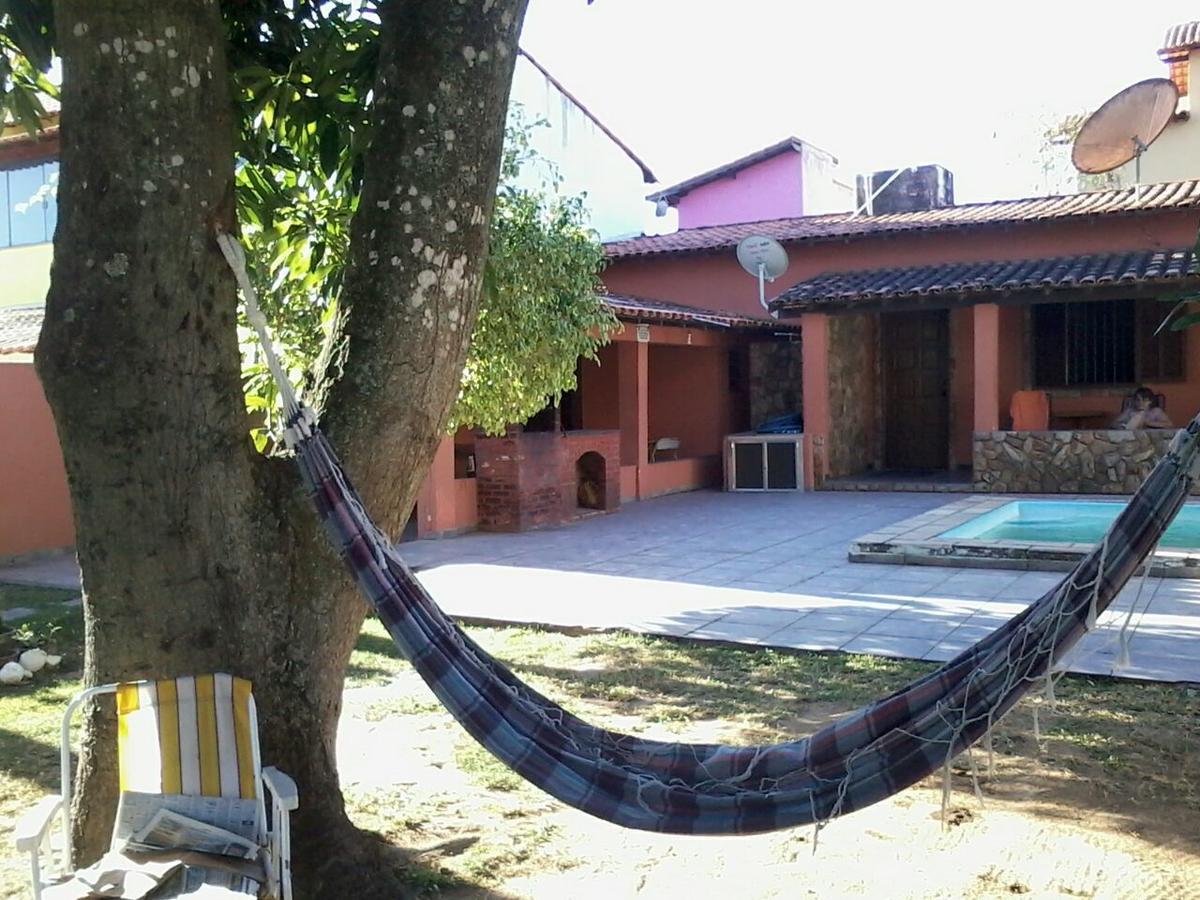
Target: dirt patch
1049, 825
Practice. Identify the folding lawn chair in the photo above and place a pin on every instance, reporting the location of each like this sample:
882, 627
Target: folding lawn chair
188, 745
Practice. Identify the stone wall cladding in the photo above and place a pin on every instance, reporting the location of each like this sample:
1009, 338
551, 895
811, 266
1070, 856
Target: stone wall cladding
776, 380
853, 440
527, 480
1066, 462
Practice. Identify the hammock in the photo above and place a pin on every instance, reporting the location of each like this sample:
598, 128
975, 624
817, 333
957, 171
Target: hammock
710, 788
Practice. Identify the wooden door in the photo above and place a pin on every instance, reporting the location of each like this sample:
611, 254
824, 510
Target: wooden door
916, 377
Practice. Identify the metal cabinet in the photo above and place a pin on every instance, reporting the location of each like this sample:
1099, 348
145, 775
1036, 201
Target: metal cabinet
764, 462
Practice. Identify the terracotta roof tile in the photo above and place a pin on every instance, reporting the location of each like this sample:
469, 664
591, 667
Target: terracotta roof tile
627, 307
19, 328
838, 289
836, 226
1184, 36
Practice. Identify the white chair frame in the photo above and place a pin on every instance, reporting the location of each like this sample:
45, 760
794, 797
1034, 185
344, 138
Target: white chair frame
34, 830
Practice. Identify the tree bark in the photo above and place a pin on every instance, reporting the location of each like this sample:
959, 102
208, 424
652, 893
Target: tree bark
197, 554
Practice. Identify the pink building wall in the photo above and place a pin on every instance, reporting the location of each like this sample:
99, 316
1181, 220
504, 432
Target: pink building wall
771, 189
35, 505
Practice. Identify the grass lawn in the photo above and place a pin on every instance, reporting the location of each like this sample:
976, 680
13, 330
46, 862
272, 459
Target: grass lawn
1117, 774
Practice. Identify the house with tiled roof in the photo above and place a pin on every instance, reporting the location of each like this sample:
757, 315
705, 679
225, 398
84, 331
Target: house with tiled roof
922, 321
648, 417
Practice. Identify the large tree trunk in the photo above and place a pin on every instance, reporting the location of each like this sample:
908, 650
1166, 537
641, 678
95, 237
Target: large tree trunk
197, 554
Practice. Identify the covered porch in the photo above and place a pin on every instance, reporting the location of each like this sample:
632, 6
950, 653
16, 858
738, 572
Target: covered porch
647, 418
1007, 377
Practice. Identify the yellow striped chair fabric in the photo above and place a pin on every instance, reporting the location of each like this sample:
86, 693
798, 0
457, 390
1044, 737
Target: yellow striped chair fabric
190, 735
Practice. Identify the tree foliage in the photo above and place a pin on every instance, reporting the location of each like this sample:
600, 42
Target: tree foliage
26, 53
303, 75
306, 125
1054, 152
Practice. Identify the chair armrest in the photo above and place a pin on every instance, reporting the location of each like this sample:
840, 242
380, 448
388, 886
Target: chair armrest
282, 787
32, 827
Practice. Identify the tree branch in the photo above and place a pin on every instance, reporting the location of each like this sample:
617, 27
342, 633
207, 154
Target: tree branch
419, 240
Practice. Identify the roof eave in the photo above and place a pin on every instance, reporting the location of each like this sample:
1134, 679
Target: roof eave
647, 176
966, 297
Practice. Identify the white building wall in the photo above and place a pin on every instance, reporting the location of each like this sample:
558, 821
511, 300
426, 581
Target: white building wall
824, 191
1175, 156
588, 160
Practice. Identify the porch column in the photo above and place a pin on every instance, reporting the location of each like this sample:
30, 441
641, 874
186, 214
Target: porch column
633, 391
814, 342
987, 367
435, 500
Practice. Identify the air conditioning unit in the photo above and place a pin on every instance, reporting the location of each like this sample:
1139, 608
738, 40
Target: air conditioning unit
764, 462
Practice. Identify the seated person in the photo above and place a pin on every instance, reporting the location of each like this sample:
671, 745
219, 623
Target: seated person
1142, 410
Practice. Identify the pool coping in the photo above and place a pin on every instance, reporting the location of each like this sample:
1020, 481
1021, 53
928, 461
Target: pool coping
915, 542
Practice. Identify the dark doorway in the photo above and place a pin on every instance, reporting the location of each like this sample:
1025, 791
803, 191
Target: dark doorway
589, 480
916, 376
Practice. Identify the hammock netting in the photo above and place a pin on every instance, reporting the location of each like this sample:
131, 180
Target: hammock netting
688, 788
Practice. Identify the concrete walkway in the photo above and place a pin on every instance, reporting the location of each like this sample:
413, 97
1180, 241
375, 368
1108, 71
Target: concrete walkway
769, 570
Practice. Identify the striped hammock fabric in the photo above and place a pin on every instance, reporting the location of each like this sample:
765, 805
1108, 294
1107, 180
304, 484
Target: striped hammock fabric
713, 789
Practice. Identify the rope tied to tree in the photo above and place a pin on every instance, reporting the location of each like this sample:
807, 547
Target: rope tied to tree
299, 417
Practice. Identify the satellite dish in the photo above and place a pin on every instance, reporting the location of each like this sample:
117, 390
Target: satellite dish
764, 258
1125, 126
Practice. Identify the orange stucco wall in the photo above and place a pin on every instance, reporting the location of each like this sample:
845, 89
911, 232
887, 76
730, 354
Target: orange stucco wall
689, 397
598, 390
674, 476
717, 281
35, 505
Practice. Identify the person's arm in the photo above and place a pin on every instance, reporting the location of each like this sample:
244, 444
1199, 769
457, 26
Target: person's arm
1156, 418
1127, 419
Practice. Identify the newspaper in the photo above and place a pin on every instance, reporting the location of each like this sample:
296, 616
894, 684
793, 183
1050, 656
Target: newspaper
203, 884
116, 875
170, 830
229, 813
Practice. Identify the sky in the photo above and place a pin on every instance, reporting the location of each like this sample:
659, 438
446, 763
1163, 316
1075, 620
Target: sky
691, 84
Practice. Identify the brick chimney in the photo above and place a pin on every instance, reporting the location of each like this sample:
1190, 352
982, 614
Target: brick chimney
905, 190
1178, 44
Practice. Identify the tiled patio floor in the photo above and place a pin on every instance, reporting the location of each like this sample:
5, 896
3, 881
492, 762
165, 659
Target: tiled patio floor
772, 570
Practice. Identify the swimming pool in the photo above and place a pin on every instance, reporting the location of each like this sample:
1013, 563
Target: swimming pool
1065, 521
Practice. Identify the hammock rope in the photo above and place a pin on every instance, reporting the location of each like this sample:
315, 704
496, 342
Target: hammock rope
709, 788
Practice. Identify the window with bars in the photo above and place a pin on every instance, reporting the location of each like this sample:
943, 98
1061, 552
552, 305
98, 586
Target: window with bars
1104, 342
28, 206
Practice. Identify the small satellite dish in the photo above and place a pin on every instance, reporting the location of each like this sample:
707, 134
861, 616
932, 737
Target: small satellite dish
764, 258
1125, 126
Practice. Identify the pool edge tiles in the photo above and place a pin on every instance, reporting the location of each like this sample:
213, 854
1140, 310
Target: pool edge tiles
928, 540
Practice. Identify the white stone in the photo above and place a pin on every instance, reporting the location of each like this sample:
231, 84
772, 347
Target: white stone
34, 660
13, 673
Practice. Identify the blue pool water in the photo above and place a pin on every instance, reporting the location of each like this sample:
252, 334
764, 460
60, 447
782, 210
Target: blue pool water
1066, 521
